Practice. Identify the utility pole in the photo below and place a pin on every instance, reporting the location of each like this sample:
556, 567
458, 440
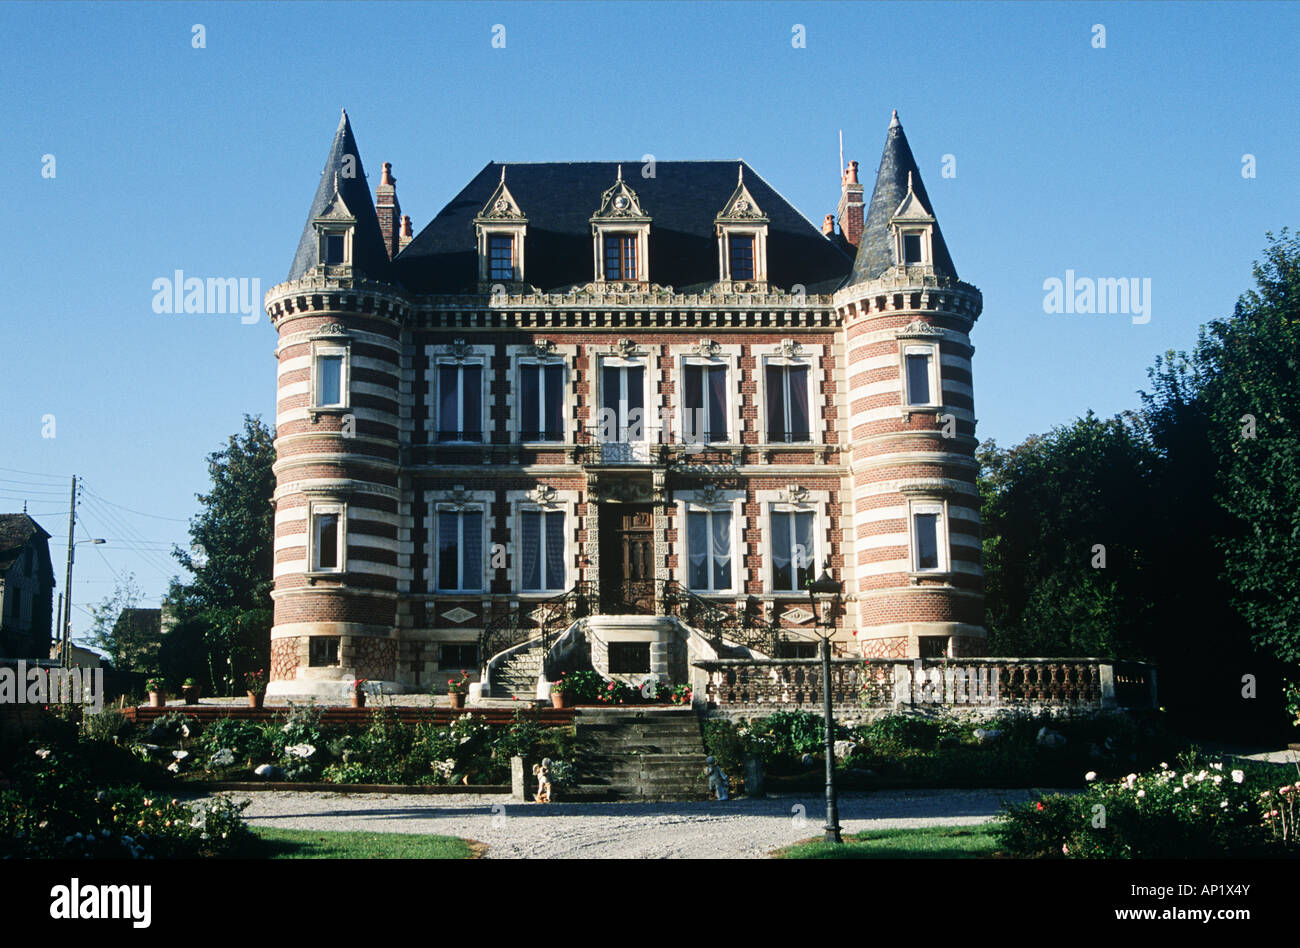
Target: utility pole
58, 628
67, 584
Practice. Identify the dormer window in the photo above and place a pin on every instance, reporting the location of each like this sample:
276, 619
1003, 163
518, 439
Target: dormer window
336, 248
741, 227
912, 244
741, 251
500, 227
621, 234
335, 229
620, 257
501, 257
913, 230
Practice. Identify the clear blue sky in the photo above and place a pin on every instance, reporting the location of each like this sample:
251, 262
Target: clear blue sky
1118, 162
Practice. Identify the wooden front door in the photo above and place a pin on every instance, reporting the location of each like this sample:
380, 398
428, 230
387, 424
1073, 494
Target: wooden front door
627, 559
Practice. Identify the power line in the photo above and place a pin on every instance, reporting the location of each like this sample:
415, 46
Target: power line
56, 477
130, 510
133, 539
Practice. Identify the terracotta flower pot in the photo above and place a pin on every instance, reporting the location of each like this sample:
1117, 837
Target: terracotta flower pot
358, 699
255, 700
558, 699
456, 700
157, 699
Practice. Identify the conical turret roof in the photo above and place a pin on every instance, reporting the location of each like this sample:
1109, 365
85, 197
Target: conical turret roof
343, 170
876, 252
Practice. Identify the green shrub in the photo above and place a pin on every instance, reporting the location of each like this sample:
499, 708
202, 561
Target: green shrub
57, 807
723, 742
787, 734
106, 726
893, 733
246, 740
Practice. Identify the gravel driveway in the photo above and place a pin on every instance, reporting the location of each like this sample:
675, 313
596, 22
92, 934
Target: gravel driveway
514, 830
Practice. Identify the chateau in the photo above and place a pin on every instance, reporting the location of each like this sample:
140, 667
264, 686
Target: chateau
618, 413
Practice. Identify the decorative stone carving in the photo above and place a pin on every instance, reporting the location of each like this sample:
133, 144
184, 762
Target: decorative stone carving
544, 495
791, 349
458, 498
718, 782
919, 328
795, 494
458, 349
797, 615
545, 348
628, 348
709, 348
708, 494
542, 772
620, 202
458, 615
330, 331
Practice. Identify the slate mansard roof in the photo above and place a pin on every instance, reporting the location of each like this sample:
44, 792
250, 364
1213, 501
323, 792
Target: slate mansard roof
559, 199
343, 170
876, 251
16, 531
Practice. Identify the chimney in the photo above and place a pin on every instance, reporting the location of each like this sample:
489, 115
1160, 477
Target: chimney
851, 209
828, 225
406, 236
388, 209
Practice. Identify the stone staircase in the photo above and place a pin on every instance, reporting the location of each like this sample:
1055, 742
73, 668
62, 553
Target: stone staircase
516, 676
631, 754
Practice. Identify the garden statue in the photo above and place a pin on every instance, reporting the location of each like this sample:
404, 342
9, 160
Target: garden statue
718, 782
542, 772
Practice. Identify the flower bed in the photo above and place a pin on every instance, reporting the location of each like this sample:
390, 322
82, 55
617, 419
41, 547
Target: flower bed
592, 688
1195, 809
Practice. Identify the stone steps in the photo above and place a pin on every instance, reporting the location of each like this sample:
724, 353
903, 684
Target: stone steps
517, 675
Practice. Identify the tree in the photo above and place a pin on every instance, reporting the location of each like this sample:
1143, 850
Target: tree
1251, 370
232, 556
1065, 558
130, 635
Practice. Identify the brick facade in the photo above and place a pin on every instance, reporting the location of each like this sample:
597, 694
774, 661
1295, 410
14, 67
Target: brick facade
382, 461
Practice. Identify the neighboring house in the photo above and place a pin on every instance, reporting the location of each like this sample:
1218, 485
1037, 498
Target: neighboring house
603, 389
26, 588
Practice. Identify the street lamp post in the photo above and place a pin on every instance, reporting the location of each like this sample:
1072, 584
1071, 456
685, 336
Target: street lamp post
67, 598
826, 591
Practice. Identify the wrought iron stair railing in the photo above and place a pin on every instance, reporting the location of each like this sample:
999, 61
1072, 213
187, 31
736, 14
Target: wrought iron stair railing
546, 619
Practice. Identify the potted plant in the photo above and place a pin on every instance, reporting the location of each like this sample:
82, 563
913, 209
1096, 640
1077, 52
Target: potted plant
358, 695
157, 688
456, 688
255, 684
191, 690
559, 692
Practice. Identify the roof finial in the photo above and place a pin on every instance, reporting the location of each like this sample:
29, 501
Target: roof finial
620, 171
740, 173
503, 174
909, 181
894, 121
336, 181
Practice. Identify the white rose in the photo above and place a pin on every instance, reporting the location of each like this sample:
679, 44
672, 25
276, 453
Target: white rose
1090, 776
1238, 776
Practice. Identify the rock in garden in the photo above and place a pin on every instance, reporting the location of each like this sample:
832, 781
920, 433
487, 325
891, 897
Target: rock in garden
1049, 738
807, 760
985, 735
844, 748
267, 772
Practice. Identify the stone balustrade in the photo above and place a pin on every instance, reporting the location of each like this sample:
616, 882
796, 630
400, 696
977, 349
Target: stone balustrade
864, 689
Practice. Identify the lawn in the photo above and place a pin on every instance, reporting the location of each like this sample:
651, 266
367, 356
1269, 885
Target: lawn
315, 844
933, 842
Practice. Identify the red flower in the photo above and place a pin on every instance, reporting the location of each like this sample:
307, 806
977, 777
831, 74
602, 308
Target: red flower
1040, 806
